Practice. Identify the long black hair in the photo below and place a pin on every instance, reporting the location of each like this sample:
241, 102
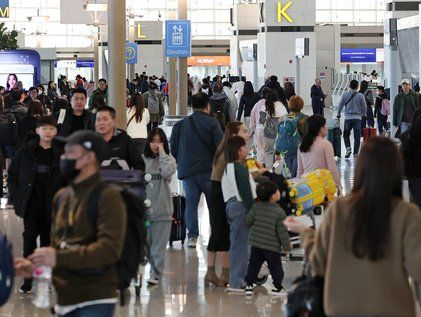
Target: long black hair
363, 86
162, 136
377, 188
248, 89
271, 98
136, 100
313, 126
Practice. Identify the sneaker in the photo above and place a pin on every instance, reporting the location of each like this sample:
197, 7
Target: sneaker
355, 155
348, 153
26, 287
153, 281
262, 280
279, 292
249, 290
232, 290
192, 242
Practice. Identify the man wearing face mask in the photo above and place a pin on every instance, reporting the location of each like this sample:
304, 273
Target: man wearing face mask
122, 152
83, 258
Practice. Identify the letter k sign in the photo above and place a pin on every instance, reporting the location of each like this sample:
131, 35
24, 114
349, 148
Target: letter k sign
282, 12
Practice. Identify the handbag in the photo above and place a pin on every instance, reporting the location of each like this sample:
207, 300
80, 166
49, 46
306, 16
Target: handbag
306, 298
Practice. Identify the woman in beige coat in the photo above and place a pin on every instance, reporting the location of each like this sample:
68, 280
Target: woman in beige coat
369, 243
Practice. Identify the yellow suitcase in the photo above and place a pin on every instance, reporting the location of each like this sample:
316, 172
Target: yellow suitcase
313, 189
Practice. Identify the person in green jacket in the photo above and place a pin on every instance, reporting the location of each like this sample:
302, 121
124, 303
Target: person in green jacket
406, 102
268, 238
102, 89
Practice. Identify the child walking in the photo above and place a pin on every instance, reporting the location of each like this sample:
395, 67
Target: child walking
268, 238
239, 191
161, 166
34, 178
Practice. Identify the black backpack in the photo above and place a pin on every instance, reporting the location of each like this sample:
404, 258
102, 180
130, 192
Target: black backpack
218, 112
9, 131
135, 248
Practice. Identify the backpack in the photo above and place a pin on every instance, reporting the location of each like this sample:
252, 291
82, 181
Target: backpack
153, 104
218, 112
7, 270
288, 137
9, 131
270, 124
135, 248
385, 109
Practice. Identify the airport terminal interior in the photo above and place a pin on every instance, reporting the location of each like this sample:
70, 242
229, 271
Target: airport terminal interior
248, 143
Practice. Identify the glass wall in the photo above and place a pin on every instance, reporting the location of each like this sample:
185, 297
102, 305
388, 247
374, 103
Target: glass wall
210, 18
352, 12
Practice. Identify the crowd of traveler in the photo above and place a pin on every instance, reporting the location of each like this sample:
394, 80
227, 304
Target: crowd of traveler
63, 142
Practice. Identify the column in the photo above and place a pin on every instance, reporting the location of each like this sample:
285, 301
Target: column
173, 86
182, 67
281, 22
96, 54
117, 59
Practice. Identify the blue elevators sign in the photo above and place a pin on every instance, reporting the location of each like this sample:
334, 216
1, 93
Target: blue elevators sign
131, 53
4, 9
178, 38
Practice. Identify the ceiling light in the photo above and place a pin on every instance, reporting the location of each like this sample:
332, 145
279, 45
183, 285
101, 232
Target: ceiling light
96, 7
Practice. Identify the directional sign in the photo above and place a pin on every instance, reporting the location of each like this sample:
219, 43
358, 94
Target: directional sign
178, 38
4, 9
131, 53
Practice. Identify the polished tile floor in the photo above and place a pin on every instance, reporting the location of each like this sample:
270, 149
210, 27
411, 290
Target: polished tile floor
182, 292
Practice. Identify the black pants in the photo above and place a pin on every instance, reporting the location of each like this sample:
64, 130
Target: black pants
219, 239
415, 189
35, 225
152, 125
273, 259
382, 123
318, 110
140, 145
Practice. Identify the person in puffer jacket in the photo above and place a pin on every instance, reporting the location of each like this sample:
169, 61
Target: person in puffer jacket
161, 166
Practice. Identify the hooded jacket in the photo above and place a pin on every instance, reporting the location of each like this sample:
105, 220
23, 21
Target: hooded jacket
121, 147
22, 173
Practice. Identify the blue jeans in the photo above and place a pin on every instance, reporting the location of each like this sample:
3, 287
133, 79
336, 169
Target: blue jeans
100, 310
352, 124
292, 163
382, 123
194, 186
239, 252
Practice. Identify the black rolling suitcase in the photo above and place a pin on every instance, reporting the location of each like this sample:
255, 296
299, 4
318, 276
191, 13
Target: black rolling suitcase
178, 226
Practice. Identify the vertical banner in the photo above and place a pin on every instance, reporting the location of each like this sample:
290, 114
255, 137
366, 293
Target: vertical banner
4, 9
131, 53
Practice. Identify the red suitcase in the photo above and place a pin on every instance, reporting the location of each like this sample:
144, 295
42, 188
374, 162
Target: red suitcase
369, 133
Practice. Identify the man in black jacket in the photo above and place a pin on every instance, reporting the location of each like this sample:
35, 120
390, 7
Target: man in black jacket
34, 178
77, 117
123, 154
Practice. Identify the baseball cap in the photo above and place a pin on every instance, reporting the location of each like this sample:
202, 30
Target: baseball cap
89, 140
406, 81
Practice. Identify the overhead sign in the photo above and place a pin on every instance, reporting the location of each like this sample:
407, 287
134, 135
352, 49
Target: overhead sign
302, 47
85, 63
131, 53
4, 9
178, 38
208, 61
358, 55
283, 12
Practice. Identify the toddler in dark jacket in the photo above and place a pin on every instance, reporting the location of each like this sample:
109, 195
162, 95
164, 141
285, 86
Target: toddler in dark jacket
269, 237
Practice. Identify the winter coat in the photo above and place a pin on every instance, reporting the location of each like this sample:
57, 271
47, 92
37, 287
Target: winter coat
22, 173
